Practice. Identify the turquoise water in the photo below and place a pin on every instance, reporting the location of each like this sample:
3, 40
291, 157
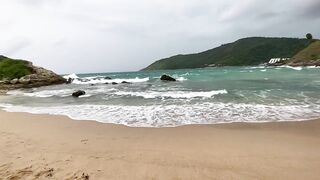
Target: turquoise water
200, 96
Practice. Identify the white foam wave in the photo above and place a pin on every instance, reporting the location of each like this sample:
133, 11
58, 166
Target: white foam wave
313, 67
99, 80
43, 93
172, 94
176, 115
291, 67
60, 93
72, 76
181, 79
256, 67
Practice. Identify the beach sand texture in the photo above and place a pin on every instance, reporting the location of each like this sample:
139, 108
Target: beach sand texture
56, 147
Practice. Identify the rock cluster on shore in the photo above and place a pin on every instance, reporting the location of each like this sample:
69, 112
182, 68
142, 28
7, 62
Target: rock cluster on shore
38, 77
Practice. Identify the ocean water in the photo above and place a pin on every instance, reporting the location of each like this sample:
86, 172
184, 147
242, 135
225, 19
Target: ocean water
200, 96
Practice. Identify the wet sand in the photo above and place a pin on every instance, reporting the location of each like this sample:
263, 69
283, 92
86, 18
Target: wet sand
46, 146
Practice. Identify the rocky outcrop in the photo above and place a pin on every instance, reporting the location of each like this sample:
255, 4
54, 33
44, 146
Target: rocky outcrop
167, 78
305, 63
309, 56
38, 77
78, 93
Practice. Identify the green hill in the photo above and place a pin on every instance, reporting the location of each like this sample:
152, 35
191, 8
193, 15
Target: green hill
247, 51
13, 68
308, 56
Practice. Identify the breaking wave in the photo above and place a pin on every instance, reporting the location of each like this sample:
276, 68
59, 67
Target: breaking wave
173, 94
176, 115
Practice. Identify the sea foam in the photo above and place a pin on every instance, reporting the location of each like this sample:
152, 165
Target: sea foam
97, 80
176, 115
173, 94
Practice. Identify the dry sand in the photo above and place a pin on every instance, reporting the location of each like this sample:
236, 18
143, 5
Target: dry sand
44, 147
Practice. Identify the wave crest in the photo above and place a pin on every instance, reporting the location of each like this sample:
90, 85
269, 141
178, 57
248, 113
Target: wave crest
173, 94
176, 115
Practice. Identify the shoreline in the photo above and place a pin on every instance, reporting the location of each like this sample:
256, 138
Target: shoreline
42, 146
209, 124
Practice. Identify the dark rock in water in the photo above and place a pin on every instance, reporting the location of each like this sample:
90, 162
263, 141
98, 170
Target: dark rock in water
69, 80
78, 93
107, 77
114, 83
167, 78
106, 83
91, 84
125, 82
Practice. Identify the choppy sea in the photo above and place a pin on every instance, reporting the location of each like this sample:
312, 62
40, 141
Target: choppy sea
199, 96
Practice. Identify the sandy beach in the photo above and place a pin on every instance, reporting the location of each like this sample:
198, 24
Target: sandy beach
46, 146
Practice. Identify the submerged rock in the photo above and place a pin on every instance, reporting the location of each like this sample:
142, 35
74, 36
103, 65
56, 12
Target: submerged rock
107, 77
78, 93
125, 82
167, 78
114, 83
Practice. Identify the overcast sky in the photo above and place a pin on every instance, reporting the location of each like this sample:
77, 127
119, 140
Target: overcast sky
126, 35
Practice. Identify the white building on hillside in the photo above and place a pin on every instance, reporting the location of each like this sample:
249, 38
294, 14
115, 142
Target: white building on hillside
275, 60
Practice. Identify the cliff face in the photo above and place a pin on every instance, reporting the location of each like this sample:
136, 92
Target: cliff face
12, 78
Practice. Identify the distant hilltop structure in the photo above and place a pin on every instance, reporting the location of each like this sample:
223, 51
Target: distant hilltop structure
277, 60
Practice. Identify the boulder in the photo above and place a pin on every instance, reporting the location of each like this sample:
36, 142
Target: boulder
107, 77
125, 82
14, 81
114, 83
41, 77
24, 80
78, 93
5, 81
167, 78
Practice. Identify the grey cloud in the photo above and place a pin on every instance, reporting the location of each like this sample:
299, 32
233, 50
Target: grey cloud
121, 35
267, 15
37, 3
17, 47
312, 10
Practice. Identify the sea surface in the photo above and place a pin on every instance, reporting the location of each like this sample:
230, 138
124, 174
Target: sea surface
199, 96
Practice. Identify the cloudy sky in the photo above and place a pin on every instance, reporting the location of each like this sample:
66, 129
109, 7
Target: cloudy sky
125, 35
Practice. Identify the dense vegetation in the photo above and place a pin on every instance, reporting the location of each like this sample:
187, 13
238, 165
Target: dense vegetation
12, 68
312, 53
247, 51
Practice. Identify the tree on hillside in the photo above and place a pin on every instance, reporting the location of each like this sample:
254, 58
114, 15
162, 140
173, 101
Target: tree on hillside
309, 36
